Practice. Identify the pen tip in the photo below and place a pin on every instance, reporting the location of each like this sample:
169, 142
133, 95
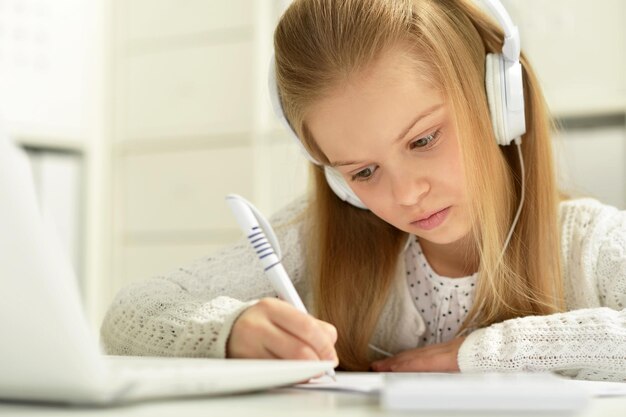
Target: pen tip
331, 373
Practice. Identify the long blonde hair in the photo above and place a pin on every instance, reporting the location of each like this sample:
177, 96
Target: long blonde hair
319, 44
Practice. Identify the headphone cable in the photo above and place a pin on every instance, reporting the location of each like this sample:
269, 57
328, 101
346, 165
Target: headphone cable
521, 203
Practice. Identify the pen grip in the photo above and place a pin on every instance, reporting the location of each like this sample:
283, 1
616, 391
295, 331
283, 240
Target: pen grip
284, 287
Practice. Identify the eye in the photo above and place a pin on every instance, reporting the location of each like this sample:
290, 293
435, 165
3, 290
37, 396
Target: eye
364, 174
426, 142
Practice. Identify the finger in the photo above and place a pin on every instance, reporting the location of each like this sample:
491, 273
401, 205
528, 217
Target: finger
411, 365
416, 363
425, 351
384, 365
390, 364
306, 328
406, 359
329, 329
268, 354
434, 363
254, 335
331, 332
381, 366
284, 345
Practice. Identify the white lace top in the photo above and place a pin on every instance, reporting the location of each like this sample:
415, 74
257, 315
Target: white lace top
190, 311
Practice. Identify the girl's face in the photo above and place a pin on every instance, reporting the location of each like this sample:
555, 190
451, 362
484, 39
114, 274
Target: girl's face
391, 136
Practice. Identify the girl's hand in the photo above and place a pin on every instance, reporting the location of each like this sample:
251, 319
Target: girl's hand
434, 358
274, 329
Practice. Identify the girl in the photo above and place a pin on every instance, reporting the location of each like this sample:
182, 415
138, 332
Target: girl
428, 237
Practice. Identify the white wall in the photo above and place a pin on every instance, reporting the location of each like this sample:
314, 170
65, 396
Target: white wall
592, 162
192, 123
52, 78
578, 49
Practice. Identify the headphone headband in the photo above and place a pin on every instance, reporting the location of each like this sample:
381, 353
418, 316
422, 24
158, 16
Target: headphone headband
511, 47
278, 110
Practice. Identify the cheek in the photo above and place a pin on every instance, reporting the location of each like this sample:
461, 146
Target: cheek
452, 166
455, 176
373, 199
370, 196
382, 206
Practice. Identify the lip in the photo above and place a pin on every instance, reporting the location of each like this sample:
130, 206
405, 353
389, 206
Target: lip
431, 220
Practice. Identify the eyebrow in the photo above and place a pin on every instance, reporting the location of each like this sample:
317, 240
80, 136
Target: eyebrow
402, 134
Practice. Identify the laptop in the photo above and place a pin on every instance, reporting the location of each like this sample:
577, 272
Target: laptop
48, 351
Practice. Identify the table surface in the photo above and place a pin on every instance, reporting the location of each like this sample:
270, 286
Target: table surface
275, 403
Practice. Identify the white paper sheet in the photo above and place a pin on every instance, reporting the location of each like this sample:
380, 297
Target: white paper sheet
372, 383
358, 382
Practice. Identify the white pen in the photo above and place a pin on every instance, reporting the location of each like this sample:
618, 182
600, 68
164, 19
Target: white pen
264, 242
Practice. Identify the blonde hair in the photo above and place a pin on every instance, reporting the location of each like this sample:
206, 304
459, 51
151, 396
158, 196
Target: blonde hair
319, 44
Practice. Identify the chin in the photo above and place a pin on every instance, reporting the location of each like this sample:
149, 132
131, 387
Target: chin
445, 238
440, 240
442, 235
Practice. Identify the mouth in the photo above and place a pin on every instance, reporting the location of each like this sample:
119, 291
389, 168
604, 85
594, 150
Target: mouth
431, 220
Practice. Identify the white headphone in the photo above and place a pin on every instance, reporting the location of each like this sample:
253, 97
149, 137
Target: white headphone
505, 94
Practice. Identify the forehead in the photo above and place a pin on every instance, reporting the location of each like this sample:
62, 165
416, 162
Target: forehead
371, 106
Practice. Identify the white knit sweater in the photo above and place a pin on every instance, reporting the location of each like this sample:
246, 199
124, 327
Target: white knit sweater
190, 311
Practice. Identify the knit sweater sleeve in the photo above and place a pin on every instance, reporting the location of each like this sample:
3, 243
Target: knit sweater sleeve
191, 310
589, 340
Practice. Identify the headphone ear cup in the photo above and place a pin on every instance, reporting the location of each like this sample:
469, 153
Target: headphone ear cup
505, 94
496, 90
338, 184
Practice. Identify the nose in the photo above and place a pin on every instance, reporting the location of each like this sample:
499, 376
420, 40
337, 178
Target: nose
407, 187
